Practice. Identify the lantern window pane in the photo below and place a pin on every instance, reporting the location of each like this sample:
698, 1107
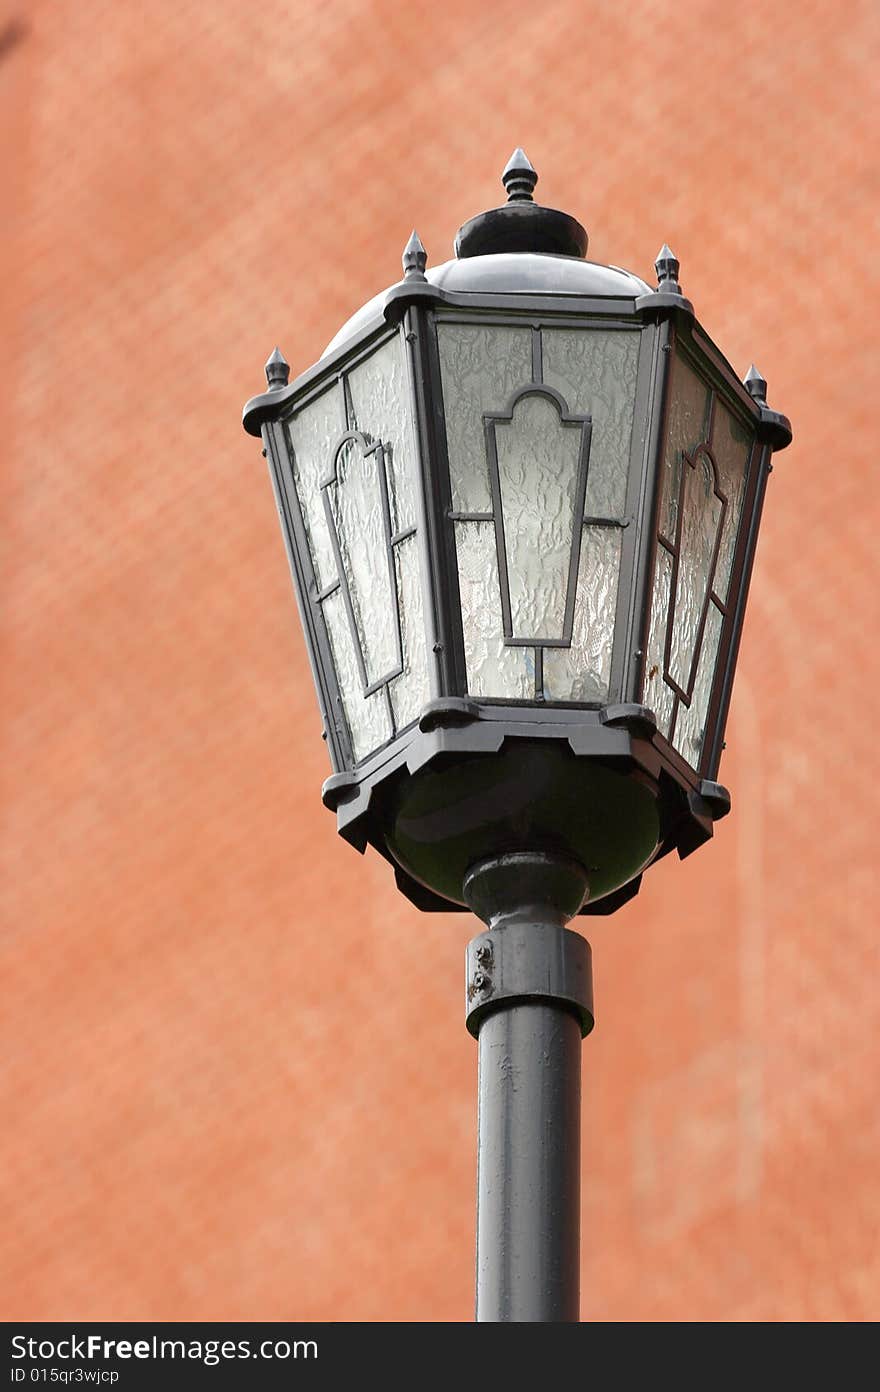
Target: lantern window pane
493, 668
731, 445
595, 371
357, 500
313, 433
368, 718
380, 396
703, 482
409, 691
701, 514
690, 723
539, 467
658, 695
481, 367
686, 428
354, 470
582, 672
539, 434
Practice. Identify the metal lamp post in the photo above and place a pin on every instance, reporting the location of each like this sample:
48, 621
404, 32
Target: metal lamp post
520, 494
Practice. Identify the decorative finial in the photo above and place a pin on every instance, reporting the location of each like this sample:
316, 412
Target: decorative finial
667, 267
519, 177
755, 384
415, 258
277, 370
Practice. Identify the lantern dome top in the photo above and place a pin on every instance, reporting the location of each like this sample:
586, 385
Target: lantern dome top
520, 248
511, 273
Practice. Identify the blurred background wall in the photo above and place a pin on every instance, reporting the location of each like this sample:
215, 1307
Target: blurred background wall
217, 1103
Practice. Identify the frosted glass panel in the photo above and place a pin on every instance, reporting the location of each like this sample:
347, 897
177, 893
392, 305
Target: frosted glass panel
657, 695
380, 400
700, 523
480, 368
357, 505
367, 717
595, 371
314, 431
685, 429
538, 460
731, 446
582, 672
409, 692
354, 469
691, 722
492, 668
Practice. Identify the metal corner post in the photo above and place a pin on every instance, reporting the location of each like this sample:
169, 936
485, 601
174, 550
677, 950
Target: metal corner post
529, 1003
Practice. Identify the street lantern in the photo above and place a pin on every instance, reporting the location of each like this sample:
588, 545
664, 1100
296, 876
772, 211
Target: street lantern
520, 494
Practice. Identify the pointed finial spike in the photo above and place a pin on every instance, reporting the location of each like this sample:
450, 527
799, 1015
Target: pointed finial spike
519, 177
415, 258
667, 267
755, 384
277, 370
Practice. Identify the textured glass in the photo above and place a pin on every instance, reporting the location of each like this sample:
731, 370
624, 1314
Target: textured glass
595, 370
701, 519
731, 446
657, 695
367, 717
685, 429
538, 473
409, 691
372, 493
492, 668
481, 367
690, 724
357, 505
314, 432
380, 399
582, 672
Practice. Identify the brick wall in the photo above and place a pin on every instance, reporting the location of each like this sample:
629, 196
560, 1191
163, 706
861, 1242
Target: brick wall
217, 1103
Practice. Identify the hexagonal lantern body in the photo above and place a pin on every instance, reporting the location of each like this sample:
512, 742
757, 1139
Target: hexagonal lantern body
520, 495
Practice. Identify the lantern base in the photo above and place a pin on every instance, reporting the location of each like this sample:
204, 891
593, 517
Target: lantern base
533, 795
613, 763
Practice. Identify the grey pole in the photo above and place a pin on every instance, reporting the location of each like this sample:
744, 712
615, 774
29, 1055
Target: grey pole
529, 1002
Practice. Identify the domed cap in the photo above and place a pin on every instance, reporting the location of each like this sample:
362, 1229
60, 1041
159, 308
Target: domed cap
521, 224
520, 248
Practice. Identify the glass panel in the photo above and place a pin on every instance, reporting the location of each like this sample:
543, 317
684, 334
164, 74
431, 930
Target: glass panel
685, 429
492, 668
731, 445
313, 433
538, 460
367, 717
357, 503
480, 367
409, 692
582, 672
691, 721
595, 370
380, 399
657, 695
701, 509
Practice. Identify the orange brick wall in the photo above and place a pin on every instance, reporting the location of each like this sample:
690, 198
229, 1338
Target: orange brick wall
237, 1080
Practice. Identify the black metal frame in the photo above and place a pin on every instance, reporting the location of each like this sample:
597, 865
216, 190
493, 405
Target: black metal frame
620, 733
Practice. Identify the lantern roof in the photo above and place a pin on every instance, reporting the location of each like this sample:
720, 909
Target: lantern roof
519, 248
510, 273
